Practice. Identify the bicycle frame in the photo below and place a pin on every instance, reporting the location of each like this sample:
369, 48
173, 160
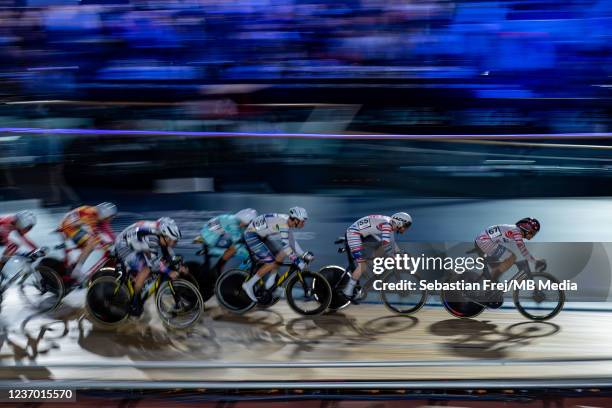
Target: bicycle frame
524, 271
280, 278
150, 288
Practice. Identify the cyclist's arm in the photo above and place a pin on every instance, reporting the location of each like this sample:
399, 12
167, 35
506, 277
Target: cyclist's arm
520, 243
137, 240
295, 245
386, 238
27, 241
286, 242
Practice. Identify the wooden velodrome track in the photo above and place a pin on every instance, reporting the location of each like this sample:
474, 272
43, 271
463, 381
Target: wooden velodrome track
364, 342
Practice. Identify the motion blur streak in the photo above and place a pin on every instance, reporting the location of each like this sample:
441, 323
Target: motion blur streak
130, 132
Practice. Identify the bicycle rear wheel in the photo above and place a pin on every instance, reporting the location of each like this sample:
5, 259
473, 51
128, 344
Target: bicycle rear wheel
107, 302
42, 289
179, 304
539, 303
337, 280
230, 294
403, 301
457, 302
309, 295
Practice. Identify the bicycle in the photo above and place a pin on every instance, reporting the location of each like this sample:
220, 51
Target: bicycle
40, 286
302, 287
178, 302
539, 305
105, 266
403, 302
204, 275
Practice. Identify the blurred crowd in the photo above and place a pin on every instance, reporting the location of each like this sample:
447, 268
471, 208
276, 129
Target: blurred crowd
58, 47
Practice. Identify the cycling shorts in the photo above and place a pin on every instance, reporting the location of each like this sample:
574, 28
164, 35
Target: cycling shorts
258, 247
132, 260
495, 252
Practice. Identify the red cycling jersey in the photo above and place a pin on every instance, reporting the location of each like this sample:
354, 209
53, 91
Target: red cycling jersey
8, 225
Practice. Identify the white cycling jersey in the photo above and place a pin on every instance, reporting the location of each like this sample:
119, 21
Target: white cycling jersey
508, 236
375, 226
273, 226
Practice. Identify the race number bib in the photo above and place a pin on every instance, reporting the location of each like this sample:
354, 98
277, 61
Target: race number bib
260, 223
215, 225
363, 223
494, 232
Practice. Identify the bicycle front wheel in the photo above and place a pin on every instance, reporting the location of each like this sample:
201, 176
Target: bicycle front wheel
308, 293
179, 304
398, 296
541, 302
42, 289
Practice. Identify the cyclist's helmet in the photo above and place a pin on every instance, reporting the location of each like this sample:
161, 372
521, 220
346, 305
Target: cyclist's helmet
298, 213
529, 225
25, 219
246, 215
401, 219
106, 210
169, 229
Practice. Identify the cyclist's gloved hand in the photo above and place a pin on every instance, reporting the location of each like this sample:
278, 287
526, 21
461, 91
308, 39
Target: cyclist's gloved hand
540, 265
38, 253
308, 256
176, 261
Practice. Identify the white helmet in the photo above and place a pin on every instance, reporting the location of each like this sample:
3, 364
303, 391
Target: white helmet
169, 229
298, 213
401, 219
246, 215
106, 210
25, 219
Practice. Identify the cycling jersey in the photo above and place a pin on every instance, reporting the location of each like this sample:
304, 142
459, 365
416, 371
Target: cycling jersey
498, 241
221, 232
375, 226
269, 226
8, 225
83, 223
138, 246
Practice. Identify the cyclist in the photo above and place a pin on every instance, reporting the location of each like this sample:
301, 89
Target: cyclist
87, 227
381, 228
223, 235
145, 246
259, 235
21, 222
499, 243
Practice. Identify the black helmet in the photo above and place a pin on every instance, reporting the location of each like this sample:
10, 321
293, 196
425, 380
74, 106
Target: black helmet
529, 225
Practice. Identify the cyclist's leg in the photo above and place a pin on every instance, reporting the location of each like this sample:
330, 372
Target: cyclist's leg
499, 258
86, 243
355, 247
262, 254
220, 247
10, 250
137, 265
223, 259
